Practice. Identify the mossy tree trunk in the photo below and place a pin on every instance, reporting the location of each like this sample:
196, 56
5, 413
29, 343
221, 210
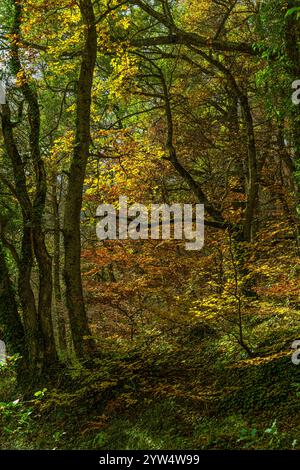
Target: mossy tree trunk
73, 204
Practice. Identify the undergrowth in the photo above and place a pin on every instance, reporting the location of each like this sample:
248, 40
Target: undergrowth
183, 393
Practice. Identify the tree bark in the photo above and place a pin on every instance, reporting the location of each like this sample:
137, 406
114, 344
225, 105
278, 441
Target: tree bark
73, 204
32, 329
60, 318
9, 315
38, 207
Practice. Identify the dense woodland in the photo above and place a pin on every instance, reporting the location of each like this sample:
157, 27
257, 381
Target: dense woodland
142, 344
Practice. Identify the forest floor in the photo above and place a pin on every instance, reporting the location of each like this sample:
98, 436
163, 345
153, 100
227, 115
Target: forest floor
192, 391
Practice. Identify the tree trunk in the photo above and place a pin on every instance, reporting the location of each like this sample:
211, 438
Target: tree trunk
9, 315
38, 207
33, 339
61, 321
73, 204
